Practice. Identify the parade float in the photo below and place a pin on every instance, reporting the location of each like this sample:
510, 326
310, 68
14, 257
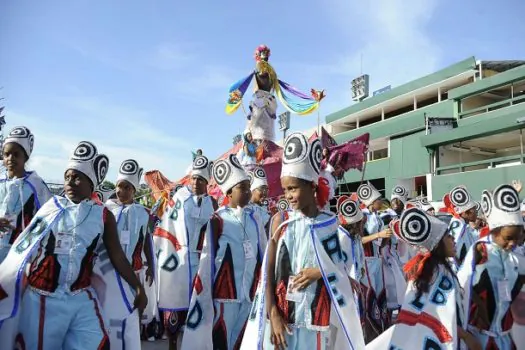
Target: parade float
257, 146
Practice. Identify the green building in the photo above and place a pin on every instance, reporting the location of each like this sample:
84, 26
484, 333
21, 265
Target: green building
479, 143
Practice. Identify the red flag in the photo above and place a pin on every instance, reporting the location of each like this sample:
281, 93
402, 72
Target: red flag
327, 140
351, 154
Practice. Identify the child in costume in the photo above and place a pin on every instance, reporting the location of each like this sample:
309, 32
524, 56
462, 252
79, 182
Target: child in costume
304, 283
22, 193
59, 309
247, 154
230, 265
259, 189
351, 219
178, 243
431, 315
386, 284
133, 230
459, 203
398, 201
493, 274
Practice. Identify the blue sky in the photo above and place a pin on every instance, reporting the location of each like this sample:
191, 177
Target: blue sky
149, 80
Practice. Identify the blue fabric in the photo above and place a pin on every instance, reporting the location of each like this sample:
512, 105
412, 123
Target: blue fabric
234, 317
68, 322
301, 338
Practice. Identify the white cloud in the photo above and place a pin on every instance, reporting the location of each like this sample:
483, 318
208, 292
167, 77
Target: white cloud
389, 35
118, 132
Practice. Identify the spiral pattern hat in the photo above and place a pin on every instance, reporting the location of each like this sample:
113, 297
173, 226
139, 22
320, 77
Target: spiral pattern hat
85, 158
301, 159
228, 173
23, 137
103, 192
348, 211
401, 193
368, 194
419, 229
459, 199
501, 207
202, 167
130, 172
257, 178
283, 205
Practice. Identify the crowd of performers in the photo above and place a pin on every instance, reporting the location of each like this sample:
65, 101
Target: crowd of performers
84, 270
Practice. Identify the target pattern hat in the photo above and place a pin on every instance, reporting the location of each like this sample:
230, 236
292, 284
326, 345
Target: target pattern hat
399, 192
459, 199
103, 192
301, 159
85, 159
501, 207
348, 211
202, 167
257, 178
368, 194
419, 229
130, 172
23, 137
228, 173
283, 205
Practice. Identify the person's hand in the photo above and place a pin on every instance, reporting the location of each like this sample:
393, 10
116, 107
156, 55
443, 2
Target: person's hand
518, 186
149, 276
471, 342
387, 233
306, 277
279, 328
141, 300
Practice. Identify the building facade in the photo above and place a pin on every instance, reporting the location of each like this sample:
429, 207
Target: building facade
461, 125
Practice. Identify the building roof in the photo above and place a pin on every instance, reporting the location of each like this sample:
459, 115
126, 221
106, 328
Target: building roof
448, 72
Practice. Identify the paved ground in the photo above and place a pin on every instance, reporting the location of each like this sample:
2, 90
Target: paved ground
158, 345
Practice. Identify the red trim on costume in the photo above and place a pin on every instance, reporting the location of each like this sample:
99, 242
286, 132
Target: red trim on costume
160, 232
41, 321
105, 339
427, 320
319, 345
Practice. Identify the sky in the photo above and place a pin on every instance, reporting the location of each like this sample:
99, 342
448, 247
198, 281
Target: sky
148, 80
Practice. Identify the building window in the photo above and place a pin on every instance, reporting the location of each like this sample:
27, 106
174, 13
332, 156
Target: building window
494, 151
500, 97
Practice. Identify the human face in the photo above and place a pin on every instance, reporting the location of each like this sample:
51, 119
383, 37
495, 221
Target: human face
14, 158
299, 193
259, 194
240, 194
450, 245
431, 212
397, 205
77, 186
508, 237
470, 215
125, 192
376, 206
198, 185
249, 137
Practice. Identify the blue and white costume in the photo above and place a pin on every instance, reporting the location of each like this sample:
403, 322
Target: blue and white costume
258, 179
132, 228
427, 320
460, 201
494, 274
229, 270
20, 199
178, 241
305, 242
61, 244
